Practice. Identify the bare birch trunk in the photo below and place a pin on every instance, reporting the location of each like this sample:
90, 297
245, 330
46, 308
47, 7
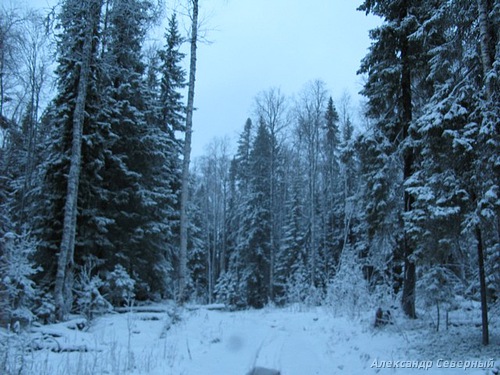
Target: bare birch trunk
187, 157
62, 291
485, 41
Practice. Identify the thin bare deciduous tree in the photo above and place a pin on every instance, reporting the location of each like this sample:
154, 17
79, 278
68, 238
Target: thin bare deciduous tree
183, 271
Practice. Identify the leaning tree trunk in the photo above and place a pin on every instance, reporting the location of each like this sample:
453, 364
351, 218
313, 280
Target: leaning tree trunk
187, 157
62, 291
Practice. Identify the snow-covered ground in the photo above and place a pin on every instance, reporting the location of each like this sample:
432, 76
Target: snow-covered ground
163, 339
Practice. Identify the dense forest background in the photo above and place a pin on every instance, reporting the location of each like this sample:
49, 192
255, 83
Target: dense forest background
312, 207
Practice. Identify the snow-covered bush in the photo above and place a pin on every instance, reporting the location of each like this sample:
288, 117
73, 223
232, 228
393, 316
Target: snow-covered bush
348, 291
14, 352
224, 289
17, 290
89, 300
315, 296
296, 288
227, 291
45, 307
119, 286
437, 286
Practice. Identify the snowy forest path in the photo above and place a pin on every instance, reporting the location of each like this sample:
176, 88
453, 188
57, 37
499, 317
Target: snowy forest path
289, 341
168, 340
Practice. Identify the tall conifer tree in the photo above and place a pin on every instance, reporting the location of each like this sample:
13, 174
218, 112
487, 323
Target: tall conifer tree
393, 65
137, 175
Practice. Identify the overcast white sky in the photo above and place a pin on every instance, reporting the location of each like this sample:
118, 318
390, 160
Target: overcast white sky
260, 44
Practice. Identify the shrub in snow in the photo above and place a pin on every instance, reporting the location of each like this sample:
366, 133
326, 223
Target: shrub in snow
15, 353
119, 286
296, 288
142, 290
17, 290
89, 300
348, 290
299, 290
315, 297
228, 292
45, 307
437, 286
225, 289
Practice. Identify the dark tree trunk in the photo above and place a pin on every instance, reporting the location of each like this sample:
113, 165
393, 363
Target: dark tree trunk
482, 283
409, 277
487, 48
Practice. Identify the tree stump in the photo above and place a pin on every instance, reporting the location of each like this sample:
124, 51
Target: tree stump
382, 317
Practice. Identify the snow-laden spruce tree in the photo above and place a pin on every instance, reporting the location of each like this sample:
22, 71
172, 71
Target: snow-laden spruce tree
138, 166
332, 197
395, 64
230, 287
292, 282
376, 221
456, 183
255, 231
172, 80
119, 287
249, 251
172, 120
